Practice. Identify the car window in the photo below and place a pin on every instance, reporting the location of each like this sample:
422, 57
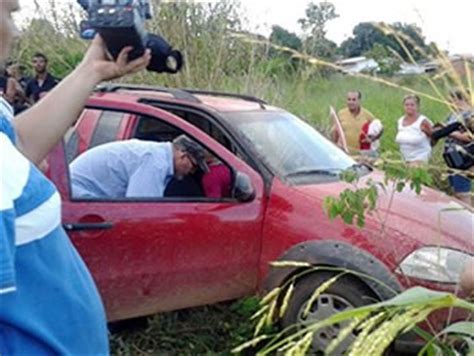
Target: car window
137, 170
293, 149
93, 128
204, 124
107, 128
151, 129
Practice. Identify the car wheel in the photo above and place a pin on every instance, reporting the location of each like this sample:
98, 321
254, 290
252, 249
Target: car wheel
346, 293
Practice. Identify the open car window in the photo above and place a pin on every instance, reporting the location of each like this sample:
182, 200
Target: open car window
98, 173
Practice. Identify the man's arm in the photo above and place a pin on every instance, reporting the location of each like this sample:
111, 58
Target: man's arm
461, 136
334, 134
41, 127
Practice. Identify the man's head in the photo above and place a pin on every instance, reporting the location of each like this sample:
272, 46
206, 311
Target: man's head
8, 30
188, 155
353, 100
40, 63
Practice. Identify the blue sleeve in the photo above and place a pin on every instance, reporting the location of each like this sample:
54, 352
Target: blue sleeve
7, 128
7, 250
147, 181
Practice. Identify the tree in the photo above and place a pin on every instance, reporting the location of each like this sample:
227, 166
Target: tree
388, 62
317, 16
282, 37
314, 26
405, 39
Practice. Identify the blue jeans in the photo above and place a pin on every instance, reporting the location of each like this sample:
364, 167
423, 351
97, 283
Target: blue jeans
460, 184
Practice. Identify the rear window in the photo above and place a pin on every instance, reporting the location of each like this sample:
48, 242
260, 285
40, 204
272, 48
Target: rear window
105, 126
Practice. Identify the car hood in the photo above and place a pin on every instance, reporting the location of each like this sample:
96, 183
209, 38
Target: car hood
430, 218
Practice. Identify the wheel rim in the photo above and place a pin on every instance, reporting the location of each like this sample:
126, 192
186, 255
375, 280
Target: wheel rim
325, 306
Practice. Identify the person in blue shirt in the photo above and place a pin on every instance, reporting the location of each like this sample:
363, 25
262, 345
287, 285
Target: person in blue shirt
134, 168
48, 300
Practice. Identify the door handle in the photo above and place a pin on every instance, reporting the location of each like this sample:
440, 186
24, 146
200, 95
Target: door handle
88, 226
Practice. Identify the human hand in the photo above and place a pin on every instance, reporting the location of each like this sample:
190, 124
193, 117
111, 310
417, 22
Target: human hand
98, 64
467, 277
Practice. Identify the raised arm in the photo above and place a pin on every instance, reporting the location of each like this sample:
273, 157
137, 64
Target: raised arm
41, 127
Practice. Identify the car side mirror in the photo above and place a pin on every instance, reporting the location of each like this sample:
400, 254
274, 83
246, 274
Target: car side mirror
243, 189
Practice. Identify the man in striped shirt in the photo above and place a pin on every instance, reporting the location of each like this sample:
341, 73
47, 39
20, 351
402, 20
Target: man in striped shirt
48, 301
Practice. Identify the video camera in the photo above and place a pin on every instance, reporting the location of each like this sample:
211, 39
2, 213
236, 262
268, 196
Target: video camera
457, 155
121, 23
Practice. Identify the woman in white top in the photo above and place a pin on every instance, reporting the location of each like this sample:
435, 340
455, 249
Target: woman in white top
414, 132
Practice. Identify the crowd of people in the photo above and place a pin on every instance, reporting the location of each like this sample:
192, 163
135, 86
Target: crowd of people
21, 90
415, 133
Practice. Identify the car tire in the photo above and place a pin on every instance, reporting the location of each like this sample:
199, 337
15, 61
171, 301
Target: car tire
346, 293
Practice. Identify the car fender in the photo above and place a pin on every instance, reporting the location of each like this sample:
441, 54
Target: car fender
332, 253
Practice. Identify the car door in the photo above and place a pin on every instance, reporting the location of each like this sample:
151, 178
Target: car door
153, 255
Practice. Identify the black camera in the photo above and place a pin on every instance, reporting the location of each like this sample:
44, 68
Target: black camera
457, 155
121, 23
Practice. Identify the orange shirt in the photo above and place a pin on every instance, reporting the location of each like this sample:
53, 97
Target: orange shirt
352, 126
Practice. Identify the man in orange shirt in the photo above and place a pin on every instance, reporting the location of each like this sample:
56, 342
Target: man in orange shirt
352, 119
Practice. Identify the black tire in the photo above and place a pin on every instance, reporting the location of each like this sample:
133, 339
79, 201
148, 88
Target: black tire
346, 293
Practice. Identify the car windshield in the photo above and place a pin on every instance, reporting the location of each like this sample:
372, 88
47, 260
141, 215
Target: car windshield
290, 147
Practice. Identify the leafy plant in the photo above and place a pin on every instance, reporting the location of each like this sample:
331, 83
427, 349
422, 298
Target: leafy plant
376, 325
354, 203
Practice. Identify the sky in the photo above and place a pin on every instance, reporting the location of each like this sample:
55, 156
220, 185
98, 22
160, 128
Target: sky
448, 23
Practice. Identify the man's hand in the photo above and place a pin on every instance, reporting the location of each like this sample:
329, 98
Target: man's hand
41, 127
97, 61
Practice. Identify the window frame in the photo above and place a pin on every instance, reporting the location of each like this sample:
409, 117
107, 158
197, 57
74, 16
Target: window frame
137, 115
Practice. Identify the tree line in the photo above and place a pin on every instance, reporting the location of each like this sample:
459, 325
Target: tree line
397, 40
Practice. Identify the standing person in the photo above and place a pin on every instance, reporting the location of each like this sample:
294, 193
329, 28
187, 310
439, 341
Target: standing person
414, 132
43, 81
352, 119
7, 87
48, 301
16, 70
464, 113
18, 99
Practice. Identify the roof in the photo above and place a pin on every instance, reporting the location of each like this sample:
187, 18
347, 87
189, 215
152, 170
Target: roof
352, 60
218, 101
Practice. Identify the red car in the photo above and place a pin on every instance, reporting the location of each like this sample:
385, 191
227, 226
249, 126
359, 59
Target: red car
153, 255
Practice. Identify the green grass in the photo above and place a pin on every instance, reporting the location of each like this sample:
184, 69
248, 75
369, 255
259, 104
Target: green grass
206, 330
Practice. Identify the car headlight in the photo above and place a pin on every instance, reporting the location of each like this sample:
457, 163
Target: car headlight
435, 264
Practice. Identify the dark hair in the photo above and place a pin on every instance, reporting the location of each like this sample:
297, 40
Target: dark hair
412, 97
459, 94
359, 93
41, 55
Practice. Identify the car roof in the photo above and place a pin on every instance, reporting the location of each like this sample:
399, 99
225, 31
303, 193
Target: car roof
217, 101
